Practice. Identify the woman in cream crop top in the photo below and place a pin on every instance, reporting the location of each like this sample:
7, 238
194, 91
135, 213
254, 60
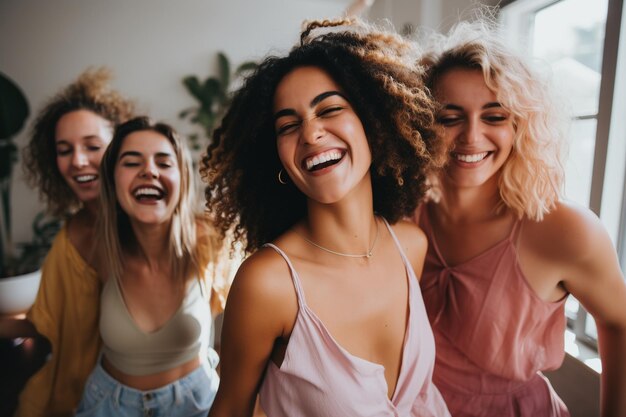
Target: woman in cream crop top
136, 352
155, 317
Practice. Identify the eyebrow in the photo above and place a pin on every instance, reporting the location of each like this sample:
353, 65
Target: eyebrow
88, 137
316, 100
492, 105
489, 105
139, 154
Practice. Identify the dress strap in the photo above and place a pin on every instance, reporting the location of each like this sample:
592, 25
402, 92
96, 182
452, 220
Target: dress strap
516, 231
294, 275
407, 264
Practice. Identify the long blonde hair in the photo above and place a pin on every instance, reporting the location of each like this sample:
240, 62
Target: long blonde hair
532, 179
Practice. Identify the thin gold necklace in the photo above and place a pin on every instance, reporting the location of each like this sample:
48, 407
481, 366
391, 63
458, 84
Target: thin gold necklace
347, 255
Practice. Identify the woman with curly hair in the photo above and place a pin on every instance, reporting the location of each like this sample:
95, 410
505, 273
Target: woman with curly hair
505, 251
158, 268
313, 167
62, 159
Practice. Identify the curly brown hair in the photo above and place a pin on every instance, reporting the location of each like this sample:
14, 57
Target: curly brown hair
377, 71
90, 92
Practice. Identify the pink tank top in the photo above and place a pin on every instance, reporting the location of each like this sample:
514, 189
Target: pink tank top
320, 378
493, 333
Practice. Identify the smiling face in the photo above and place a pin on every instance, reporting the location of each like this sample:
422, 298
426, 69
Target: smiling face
321, 140
479, 129
81, 138
147, 177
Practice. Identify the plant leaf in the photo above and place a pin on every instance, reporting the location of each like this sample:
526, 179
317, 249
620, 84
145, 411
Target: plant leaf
211, 91
224, 71
193, 86
185, 113
245, 67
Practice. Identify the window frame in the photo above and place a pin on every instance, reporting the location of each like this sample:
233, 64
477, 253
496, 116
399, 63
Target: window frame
610, 130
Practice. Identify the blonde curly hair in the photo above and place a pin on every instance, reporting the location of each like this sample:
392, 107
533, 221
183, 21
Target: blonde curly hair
532, 179
91, 92
378, 72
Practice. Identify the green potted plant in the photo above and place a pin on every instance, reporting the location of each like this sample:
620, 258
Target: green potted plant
19, 269
213, 97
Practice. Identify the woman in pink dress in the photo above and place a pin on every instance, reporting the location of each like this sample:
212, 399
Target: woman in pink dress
316, 155
505, 251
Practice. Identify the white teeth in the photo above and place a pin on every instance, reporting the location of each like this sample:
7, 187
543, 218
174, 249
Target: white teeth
85, 178
332, 155
471, 158
148, 192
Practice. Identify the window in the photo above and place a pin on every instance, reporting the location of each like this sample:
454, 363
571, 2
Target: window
579, 39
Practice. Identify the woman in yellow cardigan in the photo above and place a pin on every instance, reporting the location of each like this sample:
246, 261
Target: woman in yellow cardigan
62, 160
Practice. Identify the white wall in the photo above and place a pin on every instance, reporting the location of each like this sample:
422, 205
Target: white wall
149, 44
434, 14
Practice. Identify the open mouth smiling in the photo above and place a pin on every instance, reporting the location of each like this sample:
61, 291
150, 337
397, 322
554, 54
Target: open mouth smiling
148, 193
85, 178
470, 158
323, 160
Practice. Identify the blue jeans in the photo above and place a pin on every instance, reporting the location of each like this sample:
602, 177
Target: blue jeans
190, 396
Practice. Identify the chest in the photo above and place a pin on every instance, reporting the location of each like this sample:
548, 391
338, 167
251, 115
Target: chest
364, 310
483, 243
458, 243
151, 301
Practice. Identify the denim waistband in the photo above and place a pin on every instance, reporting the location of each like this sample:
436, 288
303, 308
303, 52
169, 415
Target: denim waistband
159, 397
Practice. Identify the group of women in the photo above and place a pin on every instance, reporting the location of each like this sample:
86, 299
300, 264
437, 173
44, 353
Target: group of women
410, 253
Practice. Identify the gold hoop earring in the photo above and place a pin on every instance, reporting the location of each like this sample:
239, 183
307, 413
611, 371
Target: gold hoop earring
280, 178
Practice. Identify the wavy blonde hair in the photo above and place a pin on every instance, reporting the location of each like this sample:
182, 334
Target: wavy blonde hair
90, 91
532, 179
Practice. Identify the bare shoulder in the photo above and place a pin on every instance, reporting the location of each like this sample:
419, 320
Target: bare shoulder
569, 232
263, 285
409, 234
265, 271
413, 241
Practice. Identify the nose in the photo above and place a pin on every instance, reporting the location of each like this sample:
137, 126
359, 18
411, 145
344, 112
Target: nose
149, 170
79, 158
472, 131
312, 130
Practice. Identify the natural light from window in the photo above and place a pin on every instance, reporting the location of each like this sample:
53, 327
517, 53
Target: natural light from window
569, 35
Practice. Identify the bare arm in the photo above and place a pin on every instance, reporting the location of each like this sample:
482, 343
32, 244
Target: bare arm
261, 308
594, 277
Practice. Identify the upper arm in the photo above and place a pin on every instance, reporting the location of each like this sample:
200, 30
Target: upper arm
261, 305
592, 272
414, 244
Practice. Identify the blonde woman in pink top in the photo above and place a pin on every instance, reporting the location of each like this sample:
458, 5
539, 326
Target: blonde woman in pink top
316, 155
505, 251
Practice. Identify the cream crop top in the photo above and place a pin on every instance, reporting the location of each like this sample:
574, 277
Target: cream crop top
135, 352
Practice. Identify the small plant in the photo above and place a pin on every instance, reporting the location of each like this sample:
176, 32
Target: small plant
213, 97
33, 253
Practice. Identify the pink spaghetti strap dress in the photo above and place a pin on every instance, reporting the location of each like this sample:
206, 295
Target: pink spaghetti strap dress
320, 378
493, 333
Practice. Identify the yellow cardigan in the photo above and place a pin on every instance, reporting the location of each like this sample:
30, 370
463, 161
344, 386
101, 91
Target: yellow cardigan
66, 312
